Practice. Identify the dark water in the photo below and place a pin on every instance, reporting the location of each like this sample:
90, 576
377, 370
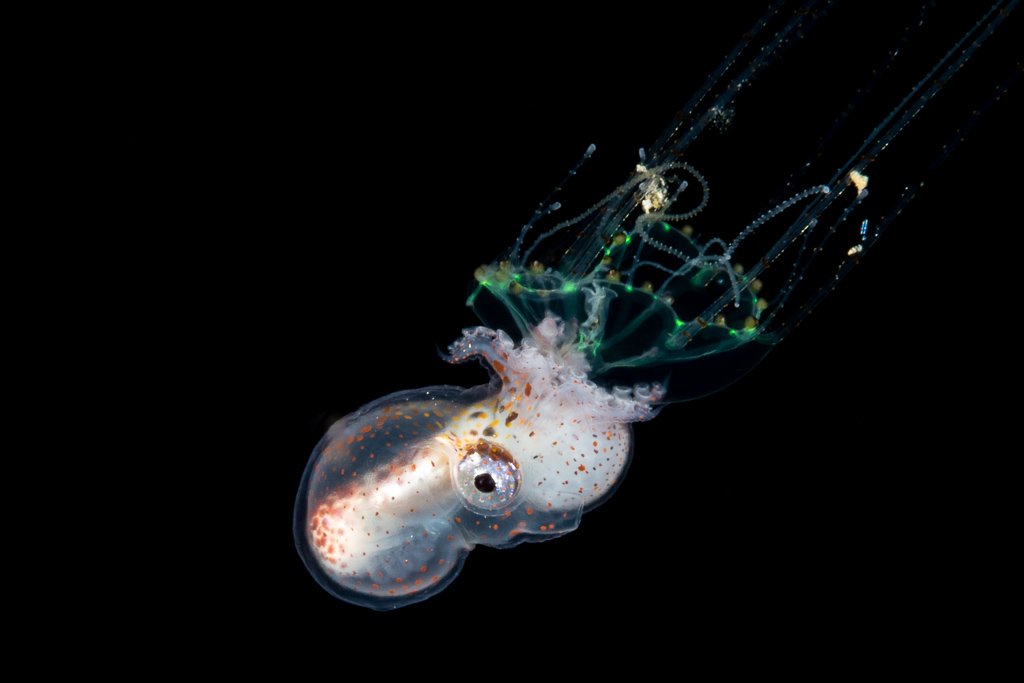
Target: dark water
827, 484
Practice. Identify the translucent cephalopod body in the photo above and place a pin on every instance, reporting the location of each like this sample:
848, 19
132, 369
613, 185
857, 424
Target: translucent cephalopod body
593, 323
401, 490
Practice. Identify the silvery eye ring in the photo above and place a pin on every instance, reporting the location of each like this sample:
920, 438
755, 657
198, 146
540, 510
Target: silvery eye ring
487, 478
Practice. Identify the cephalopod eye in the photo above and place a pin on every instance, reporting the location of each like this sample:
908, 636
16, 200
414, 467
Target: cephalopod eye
487, 477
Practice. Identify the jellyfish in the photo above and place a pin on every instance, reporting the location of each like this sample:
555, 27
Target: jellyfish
597, 318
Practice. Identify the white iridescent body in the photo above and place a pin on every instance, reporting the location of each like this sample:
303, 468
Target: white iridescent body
399, 492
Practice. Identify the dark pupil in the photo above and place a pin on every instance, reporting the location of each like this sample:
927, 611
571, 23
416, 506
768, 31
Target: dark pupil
484, 483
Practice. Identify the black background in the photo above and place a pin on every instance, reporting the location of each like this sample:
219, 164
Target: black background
356, 190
